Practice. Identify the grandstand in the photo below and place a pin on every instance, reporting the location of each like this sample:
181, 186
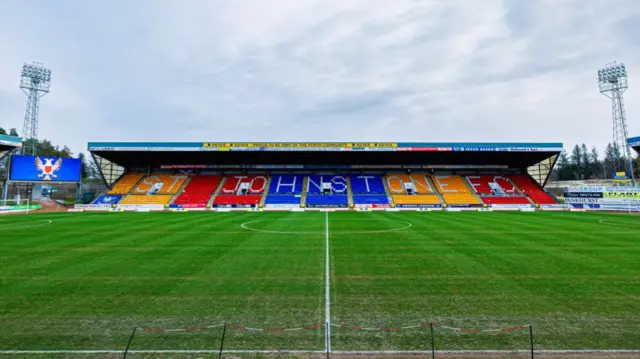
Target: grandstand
325, 175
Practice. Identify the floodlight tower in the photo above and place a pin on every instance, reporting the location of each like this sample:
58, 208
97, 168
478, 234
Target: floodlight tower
612, 80
35, 82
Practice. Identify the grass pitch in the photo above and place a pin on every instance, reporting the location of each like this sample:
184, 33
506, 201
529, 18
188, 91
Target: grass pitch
83, 281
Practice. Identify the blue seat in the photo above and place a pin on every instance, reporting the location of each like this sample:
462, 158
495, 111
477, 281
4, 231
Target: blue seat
286, 184
370, 199
282, 199
367, 184
338, 184
327, 200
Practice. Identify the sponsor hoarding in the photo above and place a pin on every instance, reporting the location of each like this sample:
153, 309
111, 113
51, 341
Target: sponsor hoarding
44, 169
187, 206
583, 194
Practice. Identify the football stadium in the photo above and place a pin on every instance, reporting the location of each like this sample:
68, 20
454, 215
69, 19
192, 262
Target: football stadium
297, 250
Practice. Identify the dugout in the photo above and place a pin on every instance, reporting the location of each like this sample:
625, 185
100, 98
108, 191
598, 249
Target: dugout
116, 158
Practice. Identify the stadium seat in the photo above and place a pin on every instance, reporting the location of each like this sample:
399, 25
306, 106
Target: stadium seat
397, 181
416, 199
199, 190
126, 183
250, 184
483, 185
370, 199
327, 200
169, 184
338, 184
532, 189
455, 191
286, 184
108, 199
367, 184
146, 199
242, 200
505, 200
282, 199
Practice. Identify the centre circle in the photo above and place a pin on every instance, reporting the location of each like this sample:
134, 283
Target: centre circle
401, 225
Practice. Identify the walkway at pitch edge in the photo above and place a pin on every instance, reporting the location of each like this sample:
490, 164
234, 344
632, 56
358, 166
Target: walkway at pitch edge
343, 326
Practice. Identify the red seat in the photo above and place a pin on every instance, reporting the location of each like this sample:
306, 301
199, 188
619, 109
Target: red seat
532, 189
199, 190
506, 200
237, 200
481, 184
232, 184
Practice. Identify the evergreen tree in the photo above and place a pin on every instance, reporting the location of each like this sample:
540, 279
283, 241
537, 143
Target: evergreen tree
2, 131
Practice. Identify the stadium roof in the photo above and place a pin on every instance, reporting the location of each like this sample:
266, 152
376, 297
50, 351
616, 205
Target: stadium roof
8, 143
634, 142
114, 158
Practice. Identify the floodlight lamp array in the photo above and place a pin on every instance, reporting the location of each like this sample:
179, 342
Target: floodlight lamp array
612, 74
36, 72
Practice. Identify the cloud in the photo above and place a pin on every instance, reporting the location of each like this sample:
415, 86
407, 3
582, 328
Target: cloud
234, 70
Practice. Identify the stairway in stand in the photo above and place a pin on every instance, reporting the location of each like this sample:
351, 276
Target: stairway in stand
266, 192
349, 192
385, 183
181, 189
303, 198
213, 196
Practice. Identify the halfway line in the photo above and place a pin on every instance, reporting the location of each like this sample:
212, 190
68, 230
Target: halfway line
327, 298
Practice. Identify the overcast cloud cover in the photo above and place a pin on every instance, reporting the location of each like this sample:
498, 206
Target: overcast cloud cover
311, 70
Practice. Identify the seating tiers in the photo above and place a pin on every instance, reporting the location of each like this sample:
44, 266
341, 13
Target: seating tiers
416, 199
481, 184
126, 183
171, 184
199, 190
282, 199
286, 184
233, 184
327, 200
532, 190
338, 184
146, 199
370, 199
242, 200
396, 183
505, 200
367, 184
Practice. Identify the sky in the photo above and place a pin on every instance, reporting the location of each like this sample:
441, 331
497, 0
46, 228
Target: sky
311, 70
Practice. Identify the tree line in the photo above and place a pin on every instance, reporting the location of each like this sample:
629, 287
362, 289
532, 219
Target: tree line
46, 148
587, 164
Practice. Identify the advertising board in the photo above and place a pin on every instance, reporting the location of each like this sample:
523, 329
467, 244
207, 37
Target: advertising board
44, 169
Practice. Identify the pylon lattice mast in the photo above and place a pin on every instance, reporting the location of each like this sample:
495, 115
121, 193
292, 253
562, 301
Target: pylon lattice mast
613, 82
35, 82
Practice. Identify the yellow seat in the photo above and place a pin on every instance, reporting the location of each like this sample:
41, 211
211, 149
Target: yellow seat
171, 184
396, 182
126, 183
146, 199
416, 199
454, 190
